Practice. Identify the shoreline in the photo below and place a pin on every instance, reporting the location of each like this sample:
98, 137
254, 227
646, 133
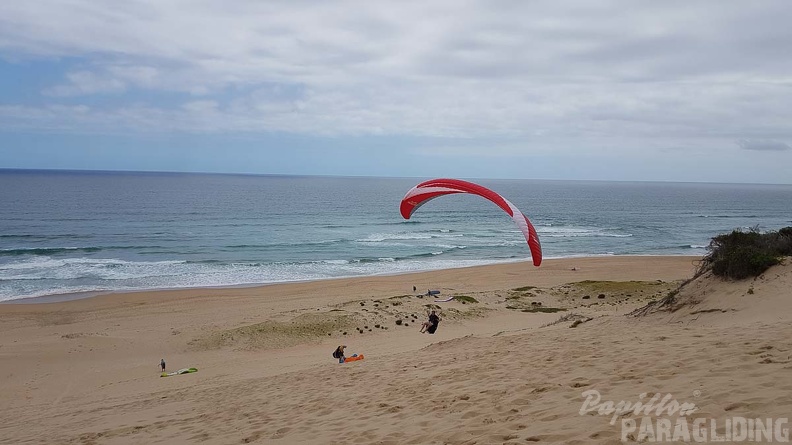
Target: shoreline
76, 296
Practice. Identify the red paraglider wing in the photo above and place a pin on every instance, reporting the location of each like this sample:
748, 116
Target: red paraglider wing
428, 190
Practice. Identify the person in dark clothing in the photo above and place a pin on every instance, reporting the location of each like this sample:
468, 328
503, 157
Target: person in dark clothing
162, 365
339, 353
430, 326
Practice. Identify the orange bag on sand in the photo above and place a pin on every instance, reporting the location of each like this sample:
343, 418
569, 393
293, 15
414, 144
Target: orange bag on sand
353, 359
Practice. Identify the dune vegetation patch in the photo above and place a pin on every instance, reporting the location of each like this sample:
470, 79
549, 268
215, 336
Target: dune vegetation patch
594, 290
278, 334
465, 299
522, 292
575, 318
523, 289
457, 314
737, 255
745, 254
542, 309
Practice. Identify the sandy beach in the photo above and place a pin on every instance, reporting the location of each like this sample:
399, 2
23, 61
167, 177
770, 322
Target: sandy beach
512, 359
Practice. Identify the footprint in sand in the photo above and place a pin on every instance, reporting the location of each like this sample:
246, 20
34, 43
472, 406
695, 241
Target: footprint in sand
253, 437
733, 406
280, 433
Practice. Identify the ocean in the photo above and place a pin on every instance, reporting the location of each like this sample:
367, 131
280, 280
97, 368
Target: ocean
68, 232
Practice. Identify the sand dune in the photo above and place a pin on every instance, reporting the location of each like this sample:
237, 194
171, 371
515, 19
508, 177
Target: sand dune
712, 301
499, 370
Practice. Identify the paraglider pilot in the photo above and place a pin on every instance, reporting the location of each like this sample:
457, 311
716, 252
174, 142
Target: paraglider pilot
339, 353
430, 325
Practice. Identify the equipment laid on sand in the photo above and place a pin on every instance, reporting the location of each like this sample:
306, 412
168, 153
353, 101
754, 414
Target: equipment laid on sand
354, 358
181, 371
444, 301
433, 292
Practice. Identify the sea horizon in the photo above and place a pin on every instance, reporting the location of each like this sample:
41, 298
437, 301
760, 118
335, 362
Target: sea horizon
418, 178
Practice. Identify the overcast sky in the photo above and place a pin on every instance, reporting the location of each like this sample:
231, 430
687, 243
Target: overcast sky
618, 90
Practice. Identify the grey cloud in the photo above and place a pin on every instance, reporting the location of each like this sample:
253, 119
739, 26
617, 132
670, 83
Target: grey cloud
763, 145
619, 71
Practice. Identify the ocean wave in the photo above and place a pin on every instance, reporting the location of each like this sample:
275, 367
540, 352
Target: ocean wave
284, 244
583, 234
194, 275
685, 246
335, 262
380, 237
727, 216
79, 264
449, 246
69, 276
411, 236
46, 251
490, 233
563, 229
237, 264
45, 237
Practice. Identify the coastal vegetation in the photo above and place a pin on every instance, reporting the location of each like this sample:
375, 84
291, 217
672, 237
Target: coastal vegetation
464, 299
738, 255
271, 334
745, 254
545, 310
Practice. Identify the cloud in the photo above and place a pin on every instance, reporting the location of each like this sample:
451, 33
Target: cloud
82, 83
560, 76
763, 145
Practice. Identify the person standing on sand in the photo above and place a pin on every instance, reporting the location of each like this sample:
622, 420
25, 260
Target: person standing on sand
162, 365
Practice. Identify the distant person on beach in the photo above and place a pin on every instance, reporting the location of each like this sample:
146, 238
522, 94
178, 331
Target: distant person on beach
339, 353
162, 365
415, 288
430, 326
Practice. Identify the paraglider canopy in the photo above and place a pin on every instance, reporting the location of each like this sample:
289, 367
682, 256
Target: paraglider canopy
428, 190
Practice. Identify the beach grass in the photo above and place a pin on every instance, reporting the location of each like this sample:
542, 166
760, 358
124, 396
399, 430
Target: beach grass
465, 299
279, 334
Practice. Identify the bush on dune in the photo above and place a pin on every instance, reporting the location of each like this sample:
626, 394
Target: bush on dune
736, 255
739, 255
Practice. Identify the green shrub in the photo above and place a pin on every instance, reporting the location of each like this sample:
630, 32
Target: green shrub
546, 310
739, 255
465, 299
